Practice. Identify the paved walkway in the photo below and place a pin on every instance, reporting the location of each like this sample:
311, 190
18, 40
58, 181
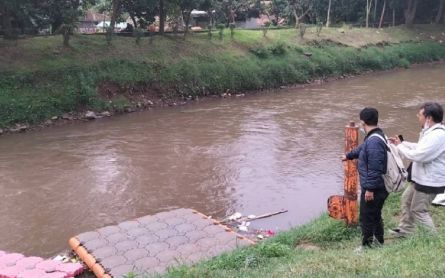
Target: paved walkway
151, 244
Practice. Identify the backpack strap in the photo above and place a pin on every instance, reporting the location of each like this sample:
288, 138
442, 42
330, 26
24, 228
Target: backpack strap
381, 138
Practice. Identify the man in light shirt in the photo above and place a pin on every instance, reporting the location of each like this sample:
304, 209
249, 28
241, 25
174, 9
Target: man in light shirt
428, 170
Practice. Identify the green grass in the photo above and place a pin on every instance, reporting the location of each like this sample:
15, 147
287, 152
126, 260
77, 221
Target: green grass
418, 256
39, 79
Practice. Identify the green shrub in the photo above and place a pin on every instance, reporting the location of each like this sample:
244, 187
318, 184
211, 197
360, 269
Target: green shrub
221, 28
278, 49
260, 52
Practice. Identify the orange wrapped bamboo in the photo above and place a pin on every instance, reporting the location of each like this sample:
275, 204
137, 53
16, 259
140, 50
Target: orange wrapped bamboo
345, 207
351, 176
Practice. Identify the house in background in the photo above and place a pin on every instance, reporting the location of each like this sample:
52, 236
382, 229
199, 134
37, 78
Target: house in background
89, 22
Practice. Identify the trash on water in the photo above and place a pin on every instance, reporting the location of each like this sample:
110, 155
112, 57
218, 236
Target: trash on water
235, 216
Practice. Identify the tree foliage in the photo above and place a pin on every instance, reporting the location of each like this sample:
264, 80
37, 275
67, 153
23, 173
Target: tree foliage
31, 16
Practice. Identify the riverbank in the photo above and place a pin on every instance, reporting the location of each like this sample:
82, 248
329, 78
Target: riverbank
43, 84
325, 248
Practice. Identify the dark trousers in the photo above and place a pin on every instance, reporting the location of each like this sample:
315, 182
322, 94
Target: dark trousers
371, 220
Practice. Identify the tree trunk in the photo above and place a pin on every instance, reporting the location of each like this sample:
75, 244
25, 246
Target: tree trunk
368, 10
210, 13
410, 12
328, 18
186, 16
393, 17
440, 12
114, 14
161, 17
6, 22
374, 16
133, 18
66, 37
382, 16
297, 20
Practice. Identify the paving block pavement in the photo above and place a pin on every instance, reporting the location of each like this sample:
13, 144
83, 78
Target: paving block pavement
15, 265
151, 244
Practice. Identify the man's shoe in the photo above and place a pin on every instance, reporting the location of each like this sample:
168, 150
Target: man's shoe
396, 232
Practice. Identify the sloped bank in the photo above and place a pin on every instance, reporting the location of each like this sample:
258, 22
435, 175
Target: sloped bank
325, 248
115, 85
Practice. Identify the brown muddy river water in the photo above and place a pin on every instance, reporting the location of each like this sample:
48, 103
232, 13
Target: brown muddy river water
254, 155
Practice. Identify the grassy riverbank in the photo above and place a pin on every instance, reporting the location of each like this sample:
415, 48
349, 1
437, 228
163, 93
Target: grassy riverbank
40, 80
325, 248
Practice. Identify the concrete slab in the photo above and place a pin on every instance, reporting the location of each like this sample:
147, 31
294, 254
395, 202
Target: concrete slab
151, 244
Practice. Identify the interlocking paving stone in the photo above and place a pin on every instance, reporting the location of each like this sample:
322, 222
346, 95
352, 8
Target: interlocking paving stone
109, 230
113, 261
29, 262
122, 270
128, 225
147, 239
95, 244
156, 248
137, 232
15, 265
166, 233
136, 254
116, 238
88, 236
105, 252
126, 245
175, 241
151, 244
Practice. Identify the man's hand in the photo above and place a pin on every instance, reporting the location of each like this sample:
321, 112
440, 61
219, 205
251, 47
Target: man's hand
369, 196
343, 158
394, 140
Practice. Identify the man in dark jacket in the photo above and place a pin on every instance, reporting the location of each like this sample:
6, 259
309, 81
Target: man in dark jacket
372, 163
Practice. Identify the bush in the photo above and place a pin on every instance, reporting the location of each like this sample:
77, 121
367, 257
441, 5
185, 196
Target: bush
302, 28
232, 29
209, 31
265, 28
278, 49
138, 34
260, 52
319, 28
221, 28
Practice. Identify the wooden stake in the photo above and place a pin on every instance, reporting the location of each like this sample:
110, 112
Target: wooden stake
345, 207
351, 176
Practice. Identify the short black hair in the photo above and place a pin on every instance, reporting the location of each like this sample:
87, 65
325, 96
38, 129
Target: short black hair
433, 110
370, 116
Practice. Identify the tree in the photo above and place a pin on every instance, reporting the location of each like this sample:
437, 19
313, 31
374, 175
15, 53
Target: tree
115, 10
299, 9
410, 12
162, 16
21, 16
208, 6
141, 12
368, 10
382, 16
328, 17
440, 12
186, 7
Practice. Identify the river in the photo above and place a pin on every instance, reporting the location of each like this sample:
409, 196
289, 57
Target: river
255, 155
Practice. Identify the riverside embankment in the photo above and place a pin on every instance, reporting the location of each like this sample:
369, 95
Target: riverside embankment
44, 84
